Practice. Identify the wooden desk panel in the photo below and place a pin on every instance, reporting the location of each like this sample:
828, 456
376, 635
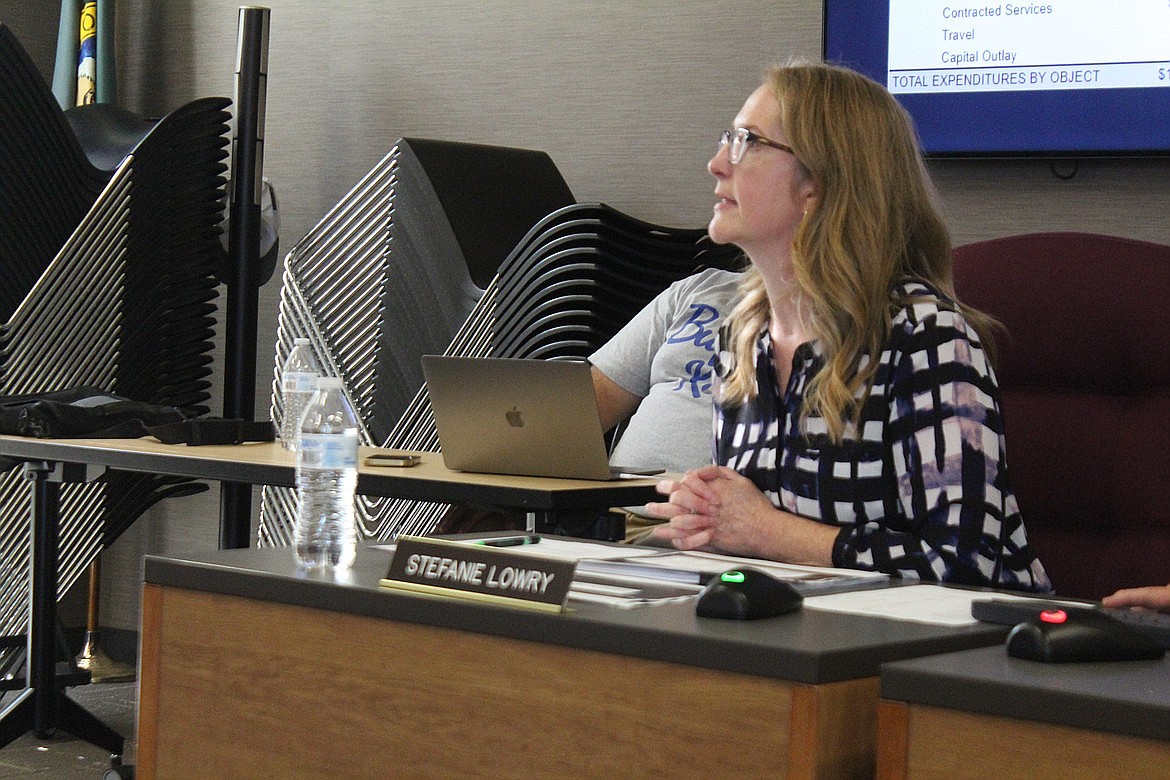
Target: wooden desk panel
980, 713
920, 742
251, 666
237, 687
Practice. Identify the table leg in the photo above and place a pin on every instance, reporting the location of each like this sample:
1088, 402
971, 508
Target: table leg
43, 707
235, 515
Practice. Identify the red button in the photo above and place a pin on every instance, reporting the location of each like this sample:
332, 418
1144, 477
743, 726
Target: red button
1054, 616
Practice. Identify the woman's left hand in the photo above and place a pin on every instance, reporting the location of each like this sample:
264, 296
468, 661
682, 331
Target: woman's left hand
717, 508
713, 507
691, 506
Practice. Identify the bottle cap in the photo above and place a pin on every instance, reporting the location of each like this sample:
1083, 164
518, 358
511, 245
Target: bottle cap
300, 340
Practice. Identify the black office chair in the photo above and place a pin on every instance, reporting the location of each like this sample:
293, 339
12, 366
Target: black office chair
1085, 379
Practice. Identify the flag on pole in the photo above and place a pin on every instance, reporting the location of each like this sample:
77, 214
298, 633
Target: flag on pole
87, 55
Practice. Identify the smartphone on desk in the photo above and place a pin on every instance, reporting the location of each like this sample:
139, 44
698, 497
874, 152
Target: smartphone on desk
396, 460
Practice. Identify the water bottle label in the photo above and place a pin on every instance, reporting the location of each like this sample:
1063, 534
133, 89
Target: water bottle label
298, 381
327, 451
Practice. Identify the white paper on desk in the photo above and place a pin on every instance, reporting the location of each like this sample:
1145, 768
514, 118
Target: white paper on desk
715, 563
575, 550
617, 592
563, 549
917, 603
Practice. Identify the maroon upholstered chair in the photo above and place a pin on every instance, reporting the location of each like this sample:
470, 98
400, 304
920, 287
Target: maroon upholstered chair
1085, 374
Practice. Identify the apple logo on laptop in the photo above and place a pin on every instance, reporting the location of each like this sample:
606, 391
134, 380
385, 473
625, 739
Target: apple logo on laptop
514, 418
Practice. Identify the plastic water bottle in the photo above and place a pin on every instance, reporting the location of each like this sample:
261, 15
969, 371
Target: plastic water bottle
327, 458
298, 380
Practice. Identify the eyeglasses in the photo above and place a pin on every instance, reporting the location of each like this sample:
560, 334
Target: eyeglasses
741, 139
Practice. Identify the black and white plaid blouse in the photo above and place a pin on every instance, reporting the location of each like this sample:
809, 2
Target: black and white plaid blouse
923, 492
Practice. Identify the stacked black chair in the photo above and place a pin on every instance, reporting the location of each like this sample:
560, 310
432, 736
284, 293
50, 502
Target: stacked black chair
387, 277
110, 239
391, 273
587, 271
571, 283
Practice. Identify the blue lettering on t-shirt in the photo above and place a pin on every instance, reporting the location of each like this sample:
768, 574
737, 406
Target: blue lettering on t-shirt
695, 330
698, 378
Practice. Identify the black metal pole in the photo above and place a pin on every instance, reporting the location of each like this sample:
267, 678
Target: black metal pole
243, 284
43, 620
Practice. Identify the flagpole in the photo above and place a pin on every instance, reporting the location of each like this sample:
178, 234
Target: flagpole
107, 82
65, 66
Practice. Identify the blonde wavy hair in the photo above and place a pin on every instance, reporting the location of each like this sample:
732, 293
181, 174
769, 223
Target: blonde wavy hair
875, 220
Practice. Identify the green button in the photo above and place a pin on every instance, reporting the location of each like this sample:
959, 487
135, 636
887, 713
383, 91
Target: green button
732, 576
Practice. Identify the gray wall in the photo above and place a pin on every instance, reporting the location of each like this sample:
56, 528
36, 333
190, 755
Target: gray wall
625, 95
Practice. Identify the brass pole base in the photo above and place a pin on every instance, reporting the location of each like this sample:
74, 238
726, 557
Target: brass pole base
100, 666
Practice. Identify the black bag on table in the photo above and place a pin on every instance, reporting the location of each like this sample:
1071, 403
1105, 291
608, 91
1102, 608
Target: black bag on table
81, 411
88, 412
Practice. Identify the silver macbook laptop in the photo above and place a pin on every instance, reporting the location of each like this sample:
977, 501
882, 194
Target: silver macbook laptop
534, 418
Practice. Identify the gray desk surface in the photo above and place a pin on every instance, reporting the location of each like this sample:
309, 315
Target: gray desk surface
1131, 697
266, 463
808, 646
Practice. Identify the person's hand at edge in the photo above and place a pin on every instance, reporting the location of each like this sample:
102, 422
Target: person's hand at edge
1156, 597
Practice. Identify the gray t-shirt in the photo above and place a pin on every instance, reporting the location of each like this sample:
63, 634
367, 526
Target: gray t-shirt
665, 354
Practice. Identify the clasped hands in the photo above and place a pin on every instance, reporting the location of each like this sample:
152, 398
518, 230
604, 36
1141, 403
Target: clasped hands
718, 509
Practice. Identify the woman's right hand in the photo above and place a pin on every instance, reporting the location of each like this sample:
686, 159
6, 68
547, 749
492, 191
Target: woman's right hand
1155, 597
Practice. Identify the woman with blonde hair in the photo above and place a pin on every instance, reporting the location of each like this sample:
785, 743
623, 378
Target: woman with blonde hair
857, 422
